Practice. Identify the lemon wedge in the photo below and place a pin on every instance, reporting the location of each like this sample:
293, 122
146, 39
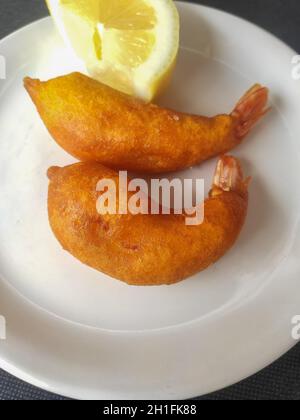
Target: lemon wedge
130, 45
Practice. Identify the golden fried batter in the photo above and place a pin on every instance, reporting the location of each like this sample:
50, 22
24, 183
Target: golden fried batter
144, 249
94, 122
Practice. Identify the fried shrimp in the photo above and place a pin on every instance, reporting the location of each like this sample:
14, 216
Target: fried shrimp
144, 249
94, 122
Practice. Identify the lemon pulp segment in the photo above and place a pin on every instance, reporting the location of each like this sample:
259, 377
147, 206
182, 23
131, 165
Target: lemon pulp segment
130, 45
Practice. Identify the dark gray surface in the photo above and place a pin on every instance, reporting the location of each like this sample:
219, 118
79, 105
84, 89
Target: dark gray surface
282, 18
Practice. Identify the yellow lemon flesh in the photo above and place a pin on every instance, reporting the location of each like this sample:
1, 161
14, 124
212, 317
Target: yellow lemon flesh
130, 45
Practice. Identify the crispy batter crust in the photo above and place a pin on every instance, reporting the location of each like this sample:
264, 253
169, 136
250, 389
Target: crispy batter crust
94, 122
142, 249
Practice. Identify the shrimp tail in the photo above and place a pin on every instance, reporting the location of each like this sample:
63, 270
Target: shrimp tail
251, 108
229, 177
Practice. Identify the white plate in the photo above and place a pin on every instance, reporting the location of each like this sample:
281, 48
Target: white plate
76, 332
